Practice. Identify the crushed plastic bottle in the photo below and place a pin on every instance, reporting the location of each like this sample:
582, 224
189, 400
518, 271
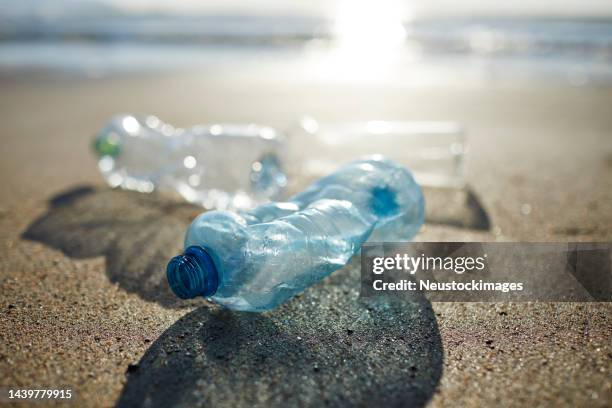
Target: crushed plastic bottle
217, 166
256, 260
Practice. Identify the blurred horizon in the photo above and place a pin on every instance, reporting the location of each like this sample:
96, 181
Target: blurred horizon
387, 40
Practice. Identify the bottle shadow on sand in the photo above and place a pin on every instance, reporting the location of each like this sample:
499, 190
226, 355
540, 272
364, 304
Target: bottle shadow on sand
326, 346
136, 233
456, 207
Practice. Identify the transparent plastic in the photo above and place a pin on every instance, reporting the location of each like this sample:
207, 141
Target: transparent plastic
216, 166
434, 151
256, 260
240, 166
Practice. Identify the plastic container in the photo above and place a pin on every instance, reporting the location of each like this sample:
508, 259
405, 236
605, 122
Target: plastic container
256, 260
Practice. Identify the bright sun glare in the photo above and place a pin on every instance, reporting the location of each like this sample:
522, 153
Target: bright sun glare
369, 35
370, 24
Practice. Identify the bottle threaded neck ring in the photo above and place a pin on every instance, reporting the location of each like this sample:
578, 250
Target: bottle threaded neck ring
192, 274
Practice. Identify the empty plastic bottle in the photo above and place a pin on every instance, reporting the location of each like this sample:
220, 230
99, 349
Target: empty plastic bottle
433, 151
217, 166
255, 260
237, 167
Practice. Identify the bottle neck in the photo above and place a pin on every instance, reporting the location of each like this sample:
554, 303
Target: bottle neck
193, 274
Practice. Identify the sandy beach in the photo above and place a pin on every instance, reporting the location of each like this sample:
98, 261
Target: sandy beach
80, 309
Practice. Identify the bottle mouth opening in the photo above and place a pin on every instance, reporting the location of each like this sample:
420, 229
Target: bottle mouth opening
192, 274
384, 201
107, 144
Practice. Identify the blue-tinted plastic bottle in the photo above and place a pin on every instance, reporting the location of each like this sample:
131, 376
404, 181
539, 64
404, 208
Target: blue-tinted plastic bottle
256, 260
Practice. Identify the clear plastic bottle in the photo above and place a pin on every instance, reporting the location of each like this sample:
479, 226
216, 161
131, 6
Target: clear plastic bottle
240, 166
216, 166
255, 260
434, 151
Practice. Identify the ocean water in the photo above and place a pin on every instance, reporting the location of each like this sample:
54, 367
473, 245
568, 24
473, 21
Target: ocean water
428, 51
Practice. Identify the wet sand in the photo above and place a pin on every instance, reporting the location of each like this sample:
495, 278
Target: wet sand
82, 296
